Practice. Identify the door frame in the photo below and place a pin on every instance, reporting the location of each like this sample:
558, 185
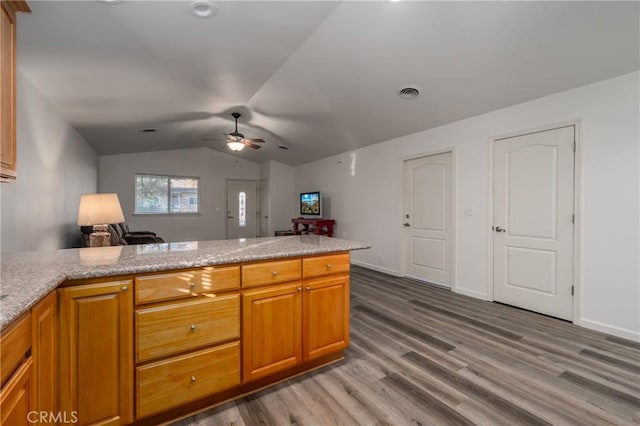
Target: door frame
226, 203
577, 208
452, 213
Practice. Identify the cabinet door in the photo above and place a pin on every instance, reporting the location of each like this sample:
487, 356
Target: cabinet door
326, 316
271, 330
16, 398
96, 352
7, 92
44, 317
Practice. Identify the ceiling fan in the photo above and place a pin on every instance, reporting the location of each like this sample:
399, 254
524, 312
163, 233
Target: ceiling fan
236, 140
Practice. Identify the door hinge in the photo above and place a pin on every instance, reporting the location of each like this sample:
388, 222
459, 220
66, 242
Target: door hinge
572, 290
573, 218
574, 146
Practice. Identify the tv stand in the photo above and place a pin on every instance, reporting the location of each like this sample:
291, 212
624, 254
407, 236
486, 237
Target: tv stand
313, 226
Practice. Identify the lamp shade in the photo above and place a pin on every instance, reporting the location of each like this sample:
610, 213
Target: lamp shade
235, 146
99, 209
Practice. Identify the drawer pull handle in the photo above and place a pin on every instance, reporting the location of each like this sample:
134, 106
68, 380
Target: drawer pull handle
125, 288
192, 285
308, 288
328, 266
299, 288
274, 273
193, 327
193, 379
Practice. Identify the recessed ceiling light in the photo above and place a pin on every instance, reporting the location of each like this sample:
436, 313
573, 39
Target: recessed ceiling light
148, 130
409, 91
202, 9
110, 1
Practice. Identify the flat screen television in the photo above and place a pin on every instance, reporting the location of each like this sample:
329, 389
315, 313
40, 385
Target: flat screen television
311, 205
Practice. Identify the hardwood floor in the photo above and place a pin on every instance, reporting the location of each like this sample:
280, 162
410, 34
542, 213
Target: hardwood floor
426, 356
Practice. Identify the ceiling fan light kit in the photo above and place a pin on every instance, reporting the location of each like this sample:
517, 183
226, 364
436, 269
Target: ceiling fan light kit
235, 146
236, 140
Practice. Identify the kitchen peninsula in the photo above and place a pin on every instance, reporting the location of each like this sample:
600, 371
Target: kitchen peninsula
144, 334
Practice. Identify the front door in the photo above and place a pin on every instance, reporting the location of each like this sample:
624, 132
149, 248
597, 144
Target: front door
242, 209
533, 221
427, 219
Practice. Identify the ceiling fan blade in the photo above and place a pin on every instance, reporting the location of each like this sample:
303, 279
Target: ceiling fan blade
251, 145
257, 140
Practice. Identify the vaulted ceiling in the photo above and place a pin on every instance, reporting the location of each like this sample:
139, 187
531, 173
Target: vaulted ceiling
317, 77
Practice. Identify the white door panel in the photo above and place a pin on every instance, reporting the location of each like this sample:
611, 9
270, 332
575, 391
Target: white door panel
427, 232
533, 212
242, 209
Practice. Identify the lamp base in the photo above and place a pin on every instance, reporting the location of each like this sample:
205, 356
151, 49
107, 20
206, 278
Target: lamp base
99, 239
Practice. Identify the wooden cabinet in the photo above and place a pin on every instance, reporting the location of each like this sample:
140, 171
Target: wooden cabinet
96, 352
44, 349
8, 11
16, 398
271, 330
326, 316
15, 346
272, 272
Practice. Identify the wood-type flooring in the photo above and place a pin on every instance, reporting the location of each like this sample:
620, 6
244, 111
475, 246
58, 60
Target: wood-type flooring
423, 355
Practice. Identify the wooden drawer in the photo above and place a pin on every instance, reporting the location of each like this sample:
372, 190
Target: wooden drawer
14, 345
175, 285
325, 265
166, 384
181, 326
256, 274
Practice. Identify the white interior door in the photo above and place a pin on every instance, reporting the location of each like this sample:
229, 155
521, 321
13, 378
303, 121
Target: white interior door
533, 221
427, 219
242, 209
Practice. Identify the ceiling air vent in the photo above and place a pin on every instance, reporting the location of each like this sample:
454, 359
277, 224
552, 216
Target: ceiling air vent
409, 92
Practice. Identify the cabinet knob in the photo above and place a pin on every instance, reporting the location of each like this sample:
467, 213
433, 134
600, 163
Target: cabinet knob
299, 288
328, 266
125, 288
192, 285
193, 327
193, 379
308, 288
274, 273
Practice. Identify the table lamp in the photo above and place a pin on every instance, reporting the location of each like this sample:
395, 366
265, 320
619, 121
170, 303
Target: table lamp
99, 210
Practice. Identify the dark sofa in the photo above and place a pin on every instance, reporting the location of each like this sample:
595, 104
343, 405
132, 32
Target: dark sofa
120, 235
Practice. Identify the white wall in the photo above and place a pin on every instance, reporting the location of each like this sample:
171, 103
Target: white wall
278, 197
364, 187
117, 174
55, 166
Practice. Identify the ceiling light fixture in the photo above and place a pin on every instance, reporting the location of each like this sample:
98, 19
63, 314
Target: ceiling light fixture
235, 146
202, 9
410, 91
110, 1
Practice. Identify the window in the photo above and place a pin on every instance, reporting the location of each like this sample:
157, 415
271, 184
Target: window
157, 194
242, 210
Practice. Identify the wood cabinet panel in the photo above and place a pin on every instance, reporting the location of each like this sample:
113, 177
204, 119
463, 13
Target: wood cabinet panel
181, 284
166, 384
178, 327
44, 317
16, 398
96, 352
326, 316
324, 265
272, 272
14, 345
271, 330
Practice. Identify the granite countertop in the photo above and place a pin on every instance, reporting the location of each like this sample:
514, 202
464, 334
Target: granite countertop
29, 276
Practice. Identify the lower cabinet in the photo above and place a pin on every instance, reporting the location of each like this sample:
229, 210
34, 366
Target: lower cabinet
170, 383
44, 349
16, 399
286, 325
271, 330
96, 352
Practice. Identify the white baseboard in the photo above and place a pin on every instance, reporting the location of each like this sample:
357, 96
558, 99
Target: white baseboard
376, 268
610, 329
471, 293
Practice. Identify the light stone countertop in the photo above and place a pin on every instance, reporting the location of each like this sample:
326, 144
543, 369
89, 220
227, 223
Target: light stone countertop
27, 277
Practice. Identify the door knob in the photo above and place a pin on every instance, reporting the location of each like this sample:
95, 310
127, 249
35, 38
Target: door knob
407, 224
498, 229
